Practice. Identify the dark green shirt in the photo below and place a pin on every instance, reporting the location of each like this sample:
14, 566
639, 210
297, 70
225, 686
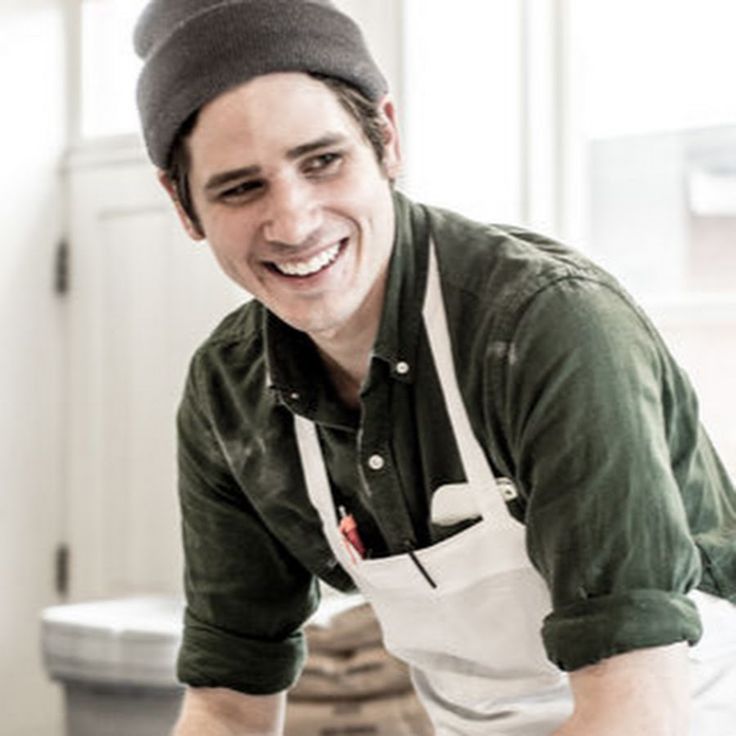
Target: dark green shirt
569, 389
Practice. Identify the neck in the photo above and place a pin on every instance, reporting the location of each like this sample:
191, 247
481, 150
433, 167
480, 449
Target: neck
347, 375
346, 353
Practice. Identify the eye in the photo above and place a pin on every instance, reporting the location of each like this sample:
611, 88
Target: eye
324, 163
241, 191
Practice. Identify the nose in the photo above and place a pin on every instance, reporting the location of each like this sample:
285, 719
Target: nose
294, 213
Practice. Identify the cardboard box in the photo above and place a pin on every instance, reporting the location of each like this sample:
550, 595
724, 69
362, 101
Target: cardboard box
402, 715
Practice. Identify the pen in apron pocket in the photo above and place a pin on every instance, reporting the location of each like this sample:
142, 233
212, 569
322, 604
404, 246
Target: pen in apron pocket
349, 530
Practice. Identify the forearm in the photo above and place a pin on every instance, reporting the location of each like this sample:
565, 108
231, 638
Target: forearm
640, 693
222, 712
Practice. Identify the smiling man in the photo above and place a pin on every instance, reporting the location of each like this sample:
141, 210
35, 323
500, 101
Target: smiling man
543, 528
283, 149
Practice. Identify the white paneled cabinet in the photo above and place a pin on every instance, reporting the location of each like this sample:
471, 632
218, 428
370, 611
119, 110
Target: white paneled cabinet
142, 297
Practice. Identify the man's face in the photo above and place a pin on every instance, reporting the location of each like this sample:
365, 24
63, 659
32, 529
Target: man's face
293, 202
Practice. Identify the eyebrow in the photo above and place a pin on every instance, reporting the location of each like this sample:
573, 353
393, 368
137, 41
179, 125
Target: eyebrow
330, 139
225, 177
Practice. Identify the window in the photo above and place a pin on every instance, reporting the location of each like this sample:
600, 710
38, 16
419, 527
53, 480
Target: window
652, 138
462, 99
655, 122
109, 67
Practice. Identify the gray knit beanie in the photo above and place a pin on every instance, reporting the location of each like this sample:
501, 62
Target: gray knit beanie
194, 50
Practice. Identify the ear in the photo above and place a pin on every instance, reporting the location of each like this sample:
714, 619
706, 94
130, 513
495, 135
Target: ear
192, 228
391, 140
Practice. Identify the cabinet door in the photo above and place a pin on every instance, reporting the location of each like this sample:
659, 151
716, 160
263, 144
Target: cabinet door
142, 297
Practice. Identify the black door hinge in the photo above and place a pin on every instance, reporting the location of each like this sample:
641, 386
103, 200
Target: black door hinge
61, 268
61, 570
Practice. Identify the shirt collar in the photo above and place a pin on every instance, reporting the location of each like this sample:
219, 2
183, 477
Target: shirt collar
295, 372
401, 318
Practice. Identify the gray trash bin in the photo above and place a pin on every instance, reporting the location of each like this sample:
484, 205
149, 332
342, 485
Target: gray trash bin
116, 662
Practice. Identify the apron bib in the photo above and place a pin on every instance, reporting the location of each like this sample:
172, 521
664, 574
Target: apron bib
473, 642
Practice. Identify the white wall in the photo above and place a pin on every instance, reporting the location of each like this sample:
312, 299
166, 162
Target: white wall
382, 24
32, 80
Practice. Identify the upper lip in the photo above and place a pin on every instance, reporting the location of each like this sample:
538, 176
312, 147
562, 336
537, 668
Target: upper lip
306, 255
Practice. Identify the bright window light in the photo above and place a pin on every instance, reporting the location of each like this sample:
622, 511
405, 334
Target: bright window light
109, 67
462, 105
656, 119
655, 65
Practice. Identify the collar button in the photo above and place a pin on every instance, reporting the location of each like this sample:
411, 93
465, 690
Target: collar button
402, 368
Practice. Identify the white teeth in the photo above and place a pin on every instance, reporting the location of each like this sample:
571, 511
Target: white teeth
307, 268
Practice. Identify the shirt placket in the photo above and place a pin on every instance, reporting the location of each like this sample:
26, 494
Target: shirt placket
377, 470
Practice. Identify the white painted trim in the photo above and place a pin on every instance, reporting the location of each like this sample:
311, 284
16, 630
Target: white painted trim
692, 309
562, 112
525, 62
543, 114
73, 13
72, 81
105, 152
41, 730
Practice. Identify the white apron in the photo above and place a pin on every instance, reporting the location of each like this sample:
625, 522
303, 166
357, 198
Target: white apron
473, 642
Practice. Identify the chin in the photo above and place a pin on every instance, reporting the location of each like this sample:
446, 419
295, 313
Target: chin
323, 324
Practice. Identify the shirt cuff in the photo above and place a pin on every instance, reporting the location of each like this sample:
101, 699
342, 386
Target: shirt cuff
590, 630
211, 657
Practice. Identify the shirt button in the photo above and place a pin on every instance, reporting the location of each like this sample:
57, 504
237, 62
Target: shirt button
294, 396
507, 489
402, 367
376, 462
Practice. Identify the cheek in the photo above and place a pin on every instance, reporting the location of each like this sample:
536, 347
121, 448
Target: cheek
230, 234
238, 270
232, 246
362, 199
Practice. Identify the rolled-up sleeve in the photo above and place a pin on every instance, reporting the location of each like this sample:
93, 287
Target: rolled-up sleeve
247, 596
588, 400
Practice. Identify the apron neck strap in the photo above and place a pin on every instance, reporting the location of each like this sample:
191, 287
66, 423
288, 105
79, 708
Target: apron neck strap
475, 464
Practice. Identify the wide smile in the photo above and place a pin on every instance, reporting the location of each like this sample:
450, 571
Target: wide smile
310, 267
